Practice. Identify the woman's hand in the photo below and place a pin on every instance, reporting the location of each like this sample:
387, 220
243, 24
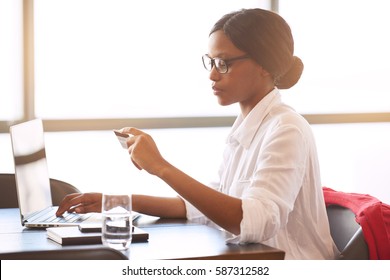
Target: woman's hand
143, 151
80, 203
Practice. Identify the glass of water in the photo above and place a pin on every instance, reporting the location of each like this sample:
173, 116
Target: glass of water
117, 222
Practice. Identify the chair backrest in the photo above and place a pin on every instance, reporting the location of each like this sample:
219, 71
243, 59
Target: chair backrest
371, 214
9, 199
347, 233
59, 189
102, 253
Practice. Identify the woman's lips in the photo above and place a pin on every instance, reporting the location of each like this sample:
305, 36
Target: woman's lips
216, 90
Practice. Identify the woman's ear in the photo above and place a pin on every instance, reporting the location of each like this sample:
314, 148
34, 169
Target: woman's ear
266, 76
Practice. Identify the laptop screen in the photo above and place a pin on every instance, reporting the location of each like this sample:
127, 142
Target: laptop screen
31, 172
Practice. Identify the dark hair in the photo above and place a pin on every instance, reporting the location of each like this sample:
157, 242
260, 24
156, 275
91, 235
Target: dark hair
266, 38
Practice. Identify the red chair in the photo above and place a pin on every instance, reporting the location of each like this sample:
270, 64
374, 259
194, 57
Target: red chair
372, 218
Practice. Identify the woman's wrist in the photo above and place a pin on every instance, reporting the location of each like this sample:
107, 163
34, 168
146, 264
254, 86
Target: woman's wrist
164, 170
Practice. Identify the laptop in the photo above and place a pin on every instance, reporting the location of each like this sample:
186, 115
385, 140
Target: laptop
33, 181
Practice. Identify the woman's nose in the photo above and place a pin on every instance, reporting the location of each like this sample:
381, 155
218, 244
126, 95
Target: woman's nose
214, 74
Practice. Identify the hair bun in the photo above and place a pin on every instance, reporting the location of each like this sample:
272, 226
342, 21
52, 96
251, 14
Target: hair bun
292, 76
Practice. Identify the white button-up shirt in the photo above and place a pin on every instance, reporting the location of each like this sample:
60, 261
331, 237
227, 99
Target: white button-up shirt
271, 163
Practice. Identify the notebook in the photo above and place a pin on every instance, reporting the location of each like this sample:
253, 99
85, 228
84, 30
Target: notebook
73, 236
33, 181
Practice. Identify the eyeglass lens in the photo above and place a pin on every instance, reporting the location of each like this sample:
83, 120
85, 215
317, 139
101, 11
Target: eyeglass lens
210, 62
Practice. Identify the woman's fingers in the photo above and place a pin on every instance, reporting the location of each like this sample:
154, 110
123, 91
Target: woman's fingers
80, 203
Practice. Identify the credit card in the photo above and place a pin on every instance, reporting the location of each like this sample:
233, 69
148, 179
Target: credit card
122, 137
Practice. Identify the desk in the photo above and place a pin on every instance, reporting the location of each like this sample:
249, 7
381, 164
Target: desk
168, 239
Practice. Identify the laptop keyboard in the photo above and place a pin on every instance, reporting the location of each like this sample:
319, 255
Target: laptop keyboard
50, 217
66, 218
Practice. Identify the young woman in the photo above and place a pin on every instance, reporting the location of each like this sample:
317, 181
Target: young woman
269, 189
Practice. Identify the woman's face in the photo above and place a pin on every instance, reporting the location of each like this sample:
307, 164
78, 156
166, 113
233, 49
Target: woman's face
246, 82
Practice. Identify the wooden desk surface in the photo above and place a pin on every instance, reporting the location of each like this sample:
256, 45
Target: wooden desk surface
168, 239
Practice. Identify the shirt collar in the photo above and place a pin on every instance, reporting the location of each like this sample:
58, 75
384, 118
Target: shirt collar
244, 129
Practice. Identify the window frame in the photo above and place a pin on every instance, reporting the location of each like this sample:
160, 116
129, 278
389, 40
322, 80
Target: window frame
144, 123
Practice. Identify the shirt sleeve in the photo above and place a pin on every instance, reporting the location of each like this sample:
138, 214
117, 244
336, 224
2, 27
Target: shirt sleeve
275, 184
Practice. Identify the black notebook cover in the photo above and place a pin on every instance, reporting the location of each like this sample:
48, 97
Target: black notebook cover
71, 235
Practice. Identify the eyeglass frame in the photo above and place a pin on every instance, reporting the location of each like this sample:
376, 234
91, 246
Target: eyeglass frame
226, 61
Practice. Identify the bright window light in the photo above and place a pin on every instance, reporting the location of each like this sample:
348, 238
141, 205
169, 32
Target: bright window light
124, 59
11, 73
345, 48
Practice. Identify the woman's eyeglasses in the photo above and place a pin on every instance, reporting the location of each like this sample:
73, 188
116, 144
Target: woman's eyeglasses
222, 65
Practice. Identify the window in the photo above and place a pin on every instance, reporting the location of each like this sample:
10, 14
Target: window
345, 48
120, 60
11, 70
100, 59
125, 59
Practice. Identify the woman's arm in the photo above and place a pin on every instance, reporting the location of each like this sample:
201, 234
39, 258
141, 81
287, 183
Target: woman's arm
165, 207
222, 209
